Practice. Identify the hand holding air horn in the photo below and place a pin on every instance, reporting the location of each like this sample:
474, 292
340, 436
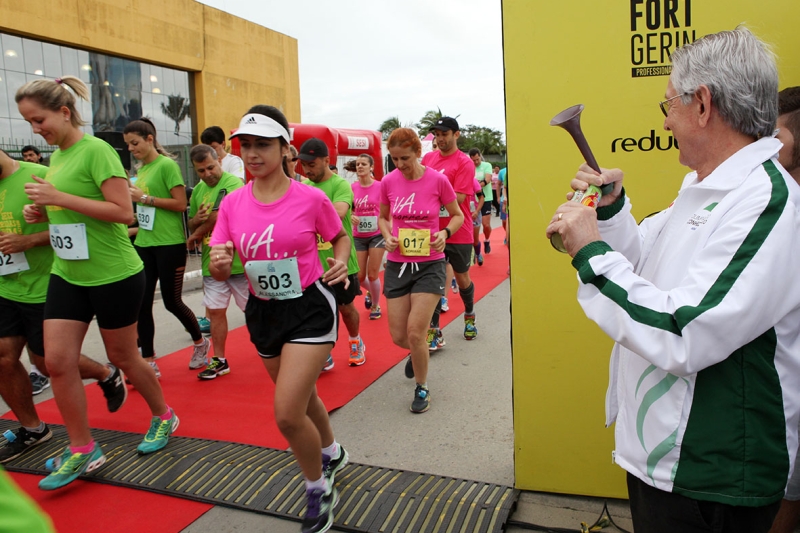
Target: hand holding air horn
570, 120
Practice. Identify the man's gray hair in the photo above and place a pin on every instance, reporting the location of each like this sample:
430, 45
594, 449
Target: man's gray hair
739, 70
200, 152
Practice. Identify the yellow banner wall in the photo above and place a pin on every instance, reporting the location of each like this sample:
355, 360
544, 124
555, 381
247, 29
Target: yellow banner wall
613, 58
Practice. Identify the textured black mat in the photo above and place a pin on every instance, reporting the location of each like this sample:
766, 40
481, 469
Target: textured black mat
268, 481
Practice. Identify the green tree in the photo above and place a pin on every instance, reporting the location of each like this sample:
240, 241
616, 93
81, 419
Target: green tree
176, 109
428, 120
392, 123
487, 140
388, 126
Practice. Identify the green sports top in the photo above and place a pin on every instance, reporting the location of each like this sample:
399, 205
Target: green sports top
157, 179
203, 194
81, 170
28, 285
337, 189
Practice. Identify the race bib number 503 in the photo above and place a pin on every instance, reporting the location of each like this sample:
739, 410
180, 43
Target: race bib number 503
274, 280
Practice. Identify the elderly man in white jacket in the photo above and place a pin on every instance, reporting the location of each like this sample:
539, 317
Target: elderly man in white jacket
702, 301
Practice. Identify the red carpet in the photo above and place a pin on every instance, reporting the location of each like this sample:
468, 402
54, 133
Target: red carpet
206, 410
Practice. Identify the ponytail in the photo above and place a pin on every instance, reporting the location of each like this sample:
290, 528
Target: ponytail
53, 95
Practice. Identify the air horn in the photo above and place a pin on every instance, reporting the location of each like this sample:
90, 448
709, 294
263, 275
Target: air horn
570, 120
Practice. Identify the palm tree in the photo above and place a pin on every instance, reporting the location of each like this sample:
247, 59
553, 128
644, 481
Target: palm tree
388, 126
177, 109
428, 120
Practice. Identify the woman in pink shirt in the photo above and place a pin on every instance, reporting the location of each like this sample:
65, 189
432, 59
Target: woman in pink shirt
369, 241
273, 223
414, 280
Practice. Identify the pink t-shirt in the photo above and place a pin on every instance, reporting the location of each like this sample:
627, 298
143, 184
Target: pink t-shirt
460, 171
366, 204
287, 227
415, 205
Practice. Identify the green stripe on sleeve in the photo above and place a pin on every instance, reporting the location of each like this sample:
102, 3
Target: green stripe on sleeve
741, 258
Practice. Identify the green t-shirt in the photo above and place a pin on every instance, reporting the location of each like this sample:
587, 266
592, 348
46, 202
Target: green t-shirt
30, 285
157, 179
18, 512
480, 174
203, 194
337, 190
81, 170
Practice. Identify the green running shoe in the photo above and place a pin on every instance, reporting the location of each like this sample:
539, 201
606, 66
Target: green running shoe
158, 434
73, 465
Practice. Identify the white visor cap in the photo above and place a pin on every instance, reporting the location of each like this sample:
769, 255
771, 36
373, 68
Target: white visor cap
261, 126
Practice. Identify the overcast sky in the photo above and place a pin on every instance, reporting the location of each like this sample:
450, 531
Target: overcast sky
362, 61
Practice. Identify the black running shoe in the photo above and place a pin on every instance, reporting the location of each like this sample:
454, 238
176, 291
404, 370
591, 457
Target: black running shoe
422, 400
330, 465
319, 510
487, 248
39, 383
409, 368
21, 441
114, 390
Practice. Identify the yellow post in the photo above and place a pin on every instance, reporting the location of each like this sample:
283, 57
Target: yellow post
613, 57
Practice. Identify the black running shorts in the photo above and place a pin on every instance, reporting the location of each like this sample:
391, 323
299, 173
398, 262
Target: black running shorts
310, 319
18, 319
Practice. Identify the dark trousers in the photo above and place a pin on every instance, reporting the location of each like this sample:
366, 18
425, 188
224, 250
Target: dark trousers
496, 202
658, 511
164, 264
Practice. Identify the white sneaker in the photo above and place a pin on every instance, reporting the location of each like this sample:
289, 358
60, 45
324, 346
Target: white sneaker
154, 366
200, 355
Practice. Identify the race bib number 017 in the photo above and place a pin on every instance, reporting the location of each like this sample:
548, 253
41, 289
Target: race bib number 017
414, 242
274, 280
13, 263
69, 241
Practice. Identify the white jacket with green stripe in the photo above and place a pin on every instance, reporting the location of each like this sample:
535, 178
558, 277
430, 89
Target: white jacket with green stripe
703, 302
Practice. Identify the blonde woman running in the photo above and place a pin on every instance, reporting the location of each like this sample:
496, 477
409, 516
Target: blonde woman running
96, 272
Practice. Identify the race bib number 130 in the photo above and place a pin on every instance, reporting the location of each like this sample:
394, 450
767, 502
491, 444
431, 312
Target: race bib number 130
69, 241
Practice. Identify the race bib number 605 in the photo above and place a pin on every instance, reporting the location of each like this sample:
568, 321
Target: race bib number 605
69, 241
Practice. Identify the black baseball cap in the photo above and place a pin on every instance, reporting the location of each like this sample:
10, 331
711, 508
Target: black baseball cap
312, 149
445, 124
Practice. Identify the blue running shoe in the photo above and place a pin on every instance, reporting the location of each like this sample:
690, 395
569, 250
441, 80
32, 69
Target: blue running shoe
71, 466
158, 434
470, 331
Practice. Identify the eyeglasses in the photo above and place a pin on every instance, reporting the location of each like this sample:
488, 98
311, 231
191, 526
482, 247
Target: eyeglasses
666, 104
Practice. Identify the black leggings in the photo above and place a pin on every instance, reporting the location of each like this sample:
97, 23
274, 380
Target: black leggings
166, 265
495, 201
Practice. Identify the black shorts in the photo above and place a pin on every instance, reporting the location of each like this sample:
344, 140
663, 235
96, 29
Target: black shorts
116, 305
19, 319
346, 296
426, 277
363, 244
486, 210
309, 319
459, 256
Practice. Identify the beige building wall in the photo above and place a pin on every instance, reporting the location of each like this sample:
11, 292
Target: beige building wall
235, 63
